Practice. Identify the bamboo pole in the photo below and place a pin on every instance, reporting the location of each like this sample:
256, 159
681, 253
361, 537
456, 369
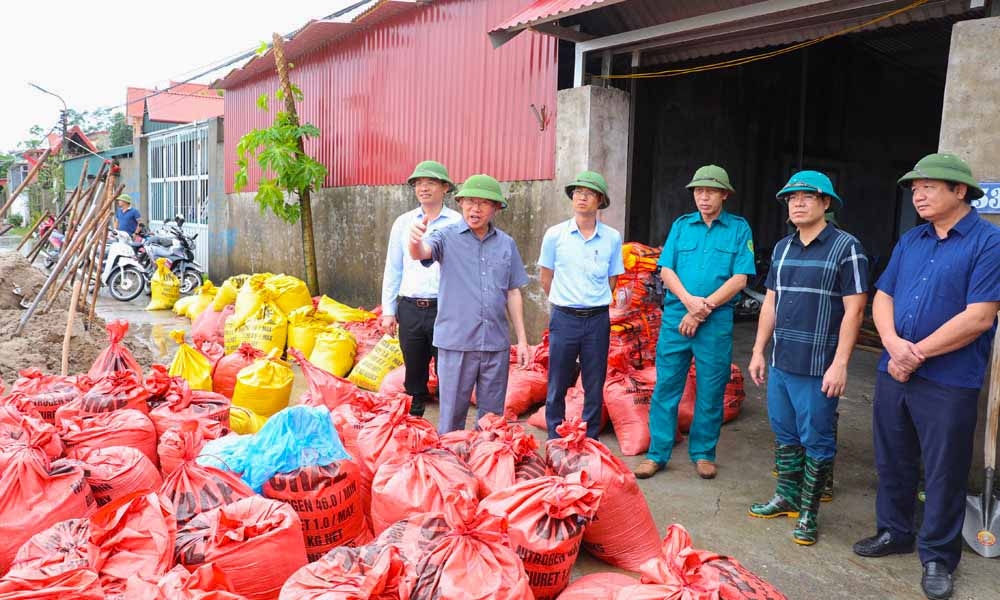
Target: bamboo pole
79, 200
95, 275
68, 251
33, 229
27, 181
73, 265
69, 327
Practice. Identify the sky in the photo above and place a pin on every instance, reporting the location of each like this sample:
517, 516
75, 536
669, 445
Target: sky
60, 45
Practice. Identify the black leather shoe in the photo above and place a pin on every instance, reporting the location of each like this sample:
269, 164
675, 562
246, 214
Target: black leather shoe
882, 544
936, 582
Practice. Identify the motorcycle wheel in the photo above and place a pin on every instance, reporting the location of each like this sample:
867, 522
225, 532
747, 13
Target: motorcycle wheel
126, 283
190, 280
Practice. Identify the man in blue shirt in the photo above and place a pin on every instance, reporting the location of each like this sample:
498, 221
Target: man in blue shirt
127, 217
410, 290
481, 279
935, 310
705, 262
580, 261
816, 297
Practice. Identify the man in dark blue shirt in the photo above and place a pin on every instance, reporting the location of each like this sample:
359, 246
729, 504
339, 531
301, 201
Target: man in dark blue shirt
816, 297
127, 217
936, 310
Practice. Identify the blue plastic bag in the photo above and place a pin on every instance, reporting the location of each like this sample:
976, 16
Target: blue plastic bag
298, 436
228, 452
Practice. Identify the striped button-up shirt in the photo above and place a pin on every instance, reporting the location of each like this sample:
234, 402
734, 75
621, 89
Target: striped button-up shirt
810, 283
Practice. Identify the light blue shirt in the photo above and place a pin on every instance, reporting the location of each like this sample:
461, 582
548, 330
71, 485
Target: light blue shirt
404, 276
581, 267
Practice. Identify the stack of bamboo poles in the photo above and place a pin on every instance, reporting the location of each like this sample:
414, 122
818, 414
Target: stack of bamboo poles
88, 215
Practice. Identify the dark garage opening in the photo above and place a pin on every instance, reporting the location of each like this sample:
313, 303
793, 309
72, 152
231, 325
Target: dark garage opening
861, 108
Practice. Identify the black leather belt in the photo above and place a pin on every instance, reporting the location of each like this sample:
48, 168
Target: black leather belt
581, 312
420, 302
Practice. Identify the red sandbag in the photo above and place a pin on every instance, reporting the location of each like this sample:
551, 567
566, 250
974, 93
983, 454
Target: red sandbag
627, 394
135, 535
19, 428
210, 408
546, 518
207, 582
211, 324
63, 547
680, 571
255, 541
184, 441
78, 584
117, 471
623, 533
476, 555
325, 388
732, 399
114, 391
366, 334
34, 496
377, 441
413, 537
328, 500
417, 479
116, 357
81, 432
574, 409
193, 489
495, 459
459, 442
210, 349
393, 382
525, 388
597, 586
350, 573
541, 353
226, 370
46, 393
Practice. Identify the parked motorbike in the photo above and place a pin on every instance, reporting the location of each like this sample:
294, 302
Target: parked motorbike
751, 298
172, 243
54, 244
122, 273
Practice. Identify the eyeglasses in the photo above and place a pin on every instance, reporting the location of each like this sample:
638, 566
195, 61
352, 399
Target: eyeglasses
803, 197
476, 202
587, 193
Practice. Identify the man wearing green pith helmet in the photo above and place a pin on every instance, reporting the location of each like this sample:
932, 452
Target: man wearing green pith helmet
705, 262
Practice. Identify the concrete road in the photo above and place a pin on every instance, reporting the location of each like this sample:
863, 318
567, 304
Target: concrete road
714, 512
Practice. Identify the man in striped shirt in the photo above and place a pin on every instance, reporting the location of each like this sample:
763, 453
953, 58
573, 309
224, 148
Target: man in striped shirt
816, 295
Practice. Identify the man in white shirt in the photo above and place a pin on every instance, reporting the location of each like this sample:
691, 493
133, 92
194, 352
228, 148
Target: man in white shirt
410, 290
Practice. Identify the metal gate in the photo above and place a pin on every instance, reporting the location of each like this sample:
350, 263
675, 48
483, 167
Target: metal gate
178, 181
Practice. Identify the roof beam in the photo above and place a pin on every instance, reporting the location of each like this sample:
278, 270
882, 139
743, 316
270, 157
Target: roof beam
743, 18
563, 33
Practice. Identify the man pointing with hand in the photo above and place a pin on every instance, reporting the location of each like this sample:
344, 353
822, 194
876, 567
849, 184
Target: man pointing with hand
481, 277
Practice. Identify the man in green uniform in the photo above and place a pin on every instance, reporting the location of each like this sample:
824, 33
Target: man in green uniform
704, 264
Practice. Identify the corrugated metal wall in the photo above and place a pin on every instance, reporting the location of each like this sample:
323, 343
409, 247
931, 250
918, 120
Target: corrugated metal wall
425, 84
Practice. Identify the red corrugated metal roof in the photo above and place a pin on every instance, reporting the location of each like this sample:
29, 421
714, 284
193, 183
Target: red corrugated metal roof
186, 103
74, 132
544, 11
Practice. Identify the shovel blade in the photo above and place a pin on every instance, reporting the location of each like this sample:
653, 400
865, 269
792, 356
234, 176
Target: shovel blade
982, 528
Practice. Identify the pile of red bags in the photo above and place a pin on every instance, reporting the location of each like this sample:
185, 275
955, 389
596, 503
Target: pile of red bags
732, 399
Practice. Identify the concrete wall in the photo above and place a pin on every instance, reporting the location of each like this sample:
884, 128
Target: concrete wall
352, 229
970, 120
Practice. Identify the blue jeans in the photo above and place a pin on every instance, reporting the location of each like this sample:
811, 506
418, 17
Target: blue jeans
572, 337
801, 414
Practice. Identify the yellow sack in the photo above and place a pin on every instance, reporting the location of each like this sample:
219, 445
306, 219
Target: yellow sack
264, 387
166, 287
202, 299
343, 313
266, 330
304, 325
190, 364
182, 306
289, 293
251, 297
384, 357
244, 421
334, 351
228, 291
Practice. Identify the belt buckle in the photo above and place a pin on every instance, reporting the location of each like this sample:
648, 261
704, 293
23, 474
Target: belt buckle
422, 303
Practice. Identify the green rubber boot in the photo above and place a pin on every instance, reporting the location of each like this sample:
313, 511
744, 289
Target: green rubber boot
785, 502
814, 478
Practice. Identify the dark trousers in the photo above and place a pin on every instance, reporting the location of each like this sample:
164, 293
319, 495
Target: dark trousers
572, 337
924, 420
416, 340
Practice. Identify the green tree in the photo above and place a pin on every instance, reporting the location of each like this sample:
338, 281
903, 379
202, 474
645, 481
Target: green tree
121, 131
6, 160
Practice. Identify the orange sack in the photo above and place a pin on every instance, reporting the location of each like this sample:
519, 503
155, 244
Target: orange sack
117, 471
525, 387
63, 547
596, 586
325, 389
83, 431
193, 489
574, 409
623, 533
256, 542
377, 440
207, 582
116, 357
26, 428
47, 392
417, 480
228, 367
114, 391
78, 584
368, 573
627, 394
34, 496
496, 461
329, 502
183, 442
546, 519
211, 324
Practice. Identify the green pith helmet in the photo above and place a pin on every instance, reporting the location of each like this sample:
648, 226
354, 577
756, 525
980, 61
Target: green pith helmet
434, 170
945, 167
712, 176
594, 181
482, 186
810, 181
124, 198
